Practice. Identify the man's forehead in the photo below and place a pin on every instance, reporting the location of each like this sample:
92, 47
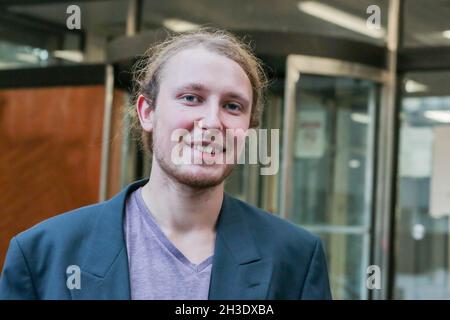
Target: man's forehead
200, 69
199, 58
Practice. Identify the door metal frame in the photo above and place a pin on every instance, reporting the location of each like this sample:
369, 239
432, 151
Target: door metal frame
297, 65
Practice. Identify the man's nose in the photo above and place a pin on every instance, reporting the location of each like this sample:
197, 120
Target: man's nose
212, 118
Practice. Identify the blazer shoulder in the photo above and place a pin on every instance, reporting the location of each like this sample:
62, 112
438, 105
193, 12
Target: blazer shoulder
295, 252
66, 226
263, 222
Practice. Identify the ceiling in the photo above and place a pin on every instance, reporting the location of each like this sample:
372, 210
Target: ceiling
435, 82
423, 23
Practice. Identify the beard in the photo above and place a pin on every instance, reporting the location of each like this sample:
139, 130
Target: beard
187, 175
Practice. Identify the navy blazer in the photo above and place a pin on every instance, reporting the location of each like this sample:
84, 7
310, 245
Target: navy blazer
257, 255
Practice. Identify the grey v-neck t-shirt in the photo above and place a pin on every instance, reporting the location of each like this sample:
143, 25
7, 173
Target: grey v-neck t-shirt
158, 270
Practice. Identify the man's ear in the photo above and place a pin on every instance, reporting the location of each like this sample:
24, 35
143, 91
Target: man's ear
146, 112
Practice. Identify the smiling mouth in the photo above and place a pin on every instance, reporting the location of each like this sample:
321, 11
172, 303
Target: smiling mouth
211, 149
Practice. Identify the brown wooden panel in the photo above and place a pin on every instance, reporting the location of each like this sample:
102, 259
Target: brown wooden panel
116, 141
50, 150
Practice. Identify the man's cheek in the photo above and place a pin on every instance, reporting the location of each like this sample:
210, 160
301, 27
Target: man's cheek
235, 145
240, 143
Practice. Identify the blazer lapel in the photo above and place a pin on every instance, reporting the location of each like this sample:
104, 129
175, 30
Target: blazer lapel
114, 285
104, 272
238, 271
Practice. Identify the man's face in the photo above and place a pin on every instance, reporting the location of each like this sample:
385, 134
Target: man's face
200, 87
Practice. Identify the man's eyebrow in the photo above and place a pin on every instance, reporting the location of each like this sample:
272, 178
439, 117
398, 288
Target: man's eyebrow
192, 86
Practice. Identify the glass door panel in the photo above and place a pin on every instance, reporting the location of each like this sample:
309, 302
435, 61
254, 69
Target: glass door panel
422, 241
329, 165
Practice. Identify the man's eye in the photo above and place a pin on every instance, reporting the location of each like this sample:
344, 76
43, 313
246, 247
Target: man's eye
191, 98
233, 106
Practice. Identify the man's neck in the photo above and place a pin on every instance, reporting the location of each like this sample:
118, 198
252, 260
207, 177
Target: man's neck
179, 208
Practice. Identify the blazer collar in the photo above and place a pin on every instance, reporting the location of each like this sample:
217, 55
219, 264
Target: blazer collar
238, 271
104, 271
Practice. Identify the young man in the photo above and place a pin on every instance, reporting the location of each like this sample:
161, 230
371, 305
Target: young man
176, 235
